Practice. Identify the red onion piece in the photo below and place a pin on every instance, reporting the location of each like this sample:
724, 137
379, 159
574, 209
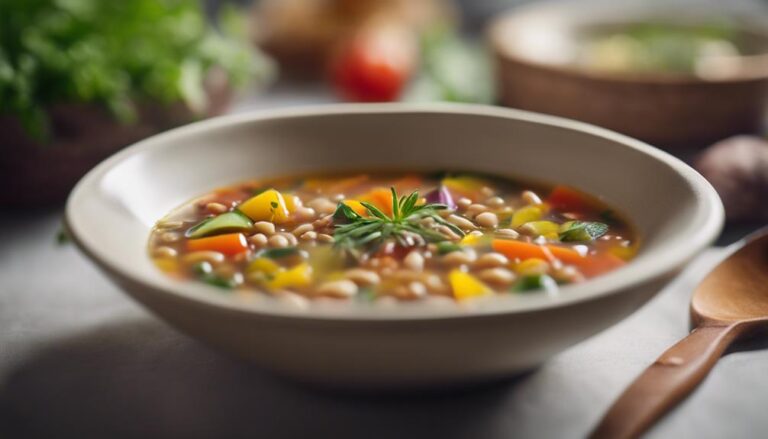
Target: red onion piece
441, 195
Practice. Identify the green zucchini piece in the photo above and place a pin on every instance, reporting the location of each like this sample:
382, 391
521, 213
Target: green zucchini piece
277, 253
226, 222
535, 282
446, 247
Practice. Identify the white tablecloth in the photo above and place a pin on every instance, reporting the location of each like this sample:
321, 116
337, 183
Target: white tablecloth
79, 359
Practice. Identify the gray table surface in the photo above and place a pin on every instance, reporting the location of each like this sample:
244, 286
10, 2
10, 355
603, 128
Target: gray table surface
80, 359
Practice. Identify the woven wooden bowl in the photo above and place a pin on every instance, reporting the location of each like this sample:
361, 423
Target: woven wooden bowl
41, 173
534, 48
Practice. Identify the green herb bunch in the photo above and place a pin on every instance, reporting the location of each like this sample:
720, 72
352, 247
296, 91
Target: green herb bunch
355, 232
116, 53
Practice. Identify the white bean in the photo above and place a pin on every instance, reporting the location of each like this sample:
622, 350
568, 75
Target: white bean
264, 227
362, 277
322, 205
497, 276
216, 208
418, 289
530, 197
324, 237
507, 233
495, 201
203, 256
308, 236
476, 209
302, 229
259, 240
490, 260
487, 219
340, 288
278, 241
305, 214
463, 203
414, 260
291, 238
464, 257
462, 222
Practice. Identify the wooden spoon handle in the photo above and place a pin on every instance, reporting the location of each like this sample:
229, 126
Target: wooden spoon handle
665, 382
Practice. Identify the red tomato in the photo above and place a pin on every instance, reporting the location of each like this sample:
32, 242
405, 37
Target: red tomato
374, 66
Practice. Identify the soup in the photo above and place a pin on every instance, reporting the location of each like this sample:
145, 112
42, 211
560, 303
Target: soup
394, 236
658, 47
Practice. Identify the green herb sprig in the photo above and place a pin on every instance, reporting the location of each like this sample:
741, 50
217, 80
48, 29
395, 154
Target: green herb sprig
355, 232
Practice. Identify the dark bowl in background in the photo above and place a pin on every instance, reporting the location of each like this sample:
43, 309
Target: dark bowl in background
40, 173
533, 48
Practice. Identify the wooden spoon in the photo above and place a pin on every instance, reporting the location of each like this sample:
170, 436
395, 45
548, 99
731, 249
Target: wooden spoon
730, 303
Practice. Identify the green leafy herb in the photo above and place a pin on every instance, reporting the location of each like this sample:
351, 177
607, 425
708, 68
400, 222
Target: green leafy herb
116, 53
344, 214
355, 232
574, 231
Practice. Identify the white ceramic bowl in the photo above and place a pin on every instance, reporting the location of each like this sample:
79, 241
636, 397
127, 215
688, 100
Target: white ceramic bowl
111, 211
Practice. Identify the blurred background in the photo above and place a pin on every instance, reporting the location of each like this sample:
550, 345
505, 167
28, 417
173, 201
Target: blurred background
80, 79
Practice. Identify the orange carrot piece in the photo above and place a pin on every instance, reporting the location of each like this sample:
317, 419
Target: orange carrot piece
589, 266
600, 263
379, 197
229, 244
524, 250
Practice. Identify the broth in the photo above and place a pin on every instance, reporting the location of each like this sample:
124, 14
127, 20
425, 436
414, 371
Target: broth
451, 235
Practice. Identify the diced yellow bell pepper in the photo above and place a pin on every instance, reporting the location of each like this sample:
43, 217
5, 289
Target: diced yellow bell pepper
547, 229
264, 265
625, 253
298, 276
476, 240
469, 240
267, 206
525, 215
532, 267
464, 184
466, 286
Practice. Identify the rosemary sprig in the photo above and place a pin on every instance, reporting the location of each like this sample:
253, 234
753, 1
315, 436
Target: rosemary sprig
355, 232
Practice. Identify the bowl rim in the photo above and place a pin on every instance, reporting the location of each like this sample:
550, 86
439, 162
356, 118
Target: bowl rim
758, 72
709, 215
